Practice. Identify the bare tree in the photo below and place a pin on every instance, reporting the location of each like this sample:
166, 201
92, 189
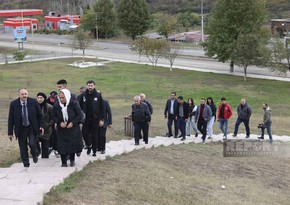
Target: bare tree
171, 55
82, 41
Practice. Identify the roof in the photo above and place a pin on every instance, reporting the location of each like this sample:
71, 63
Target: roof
20, 12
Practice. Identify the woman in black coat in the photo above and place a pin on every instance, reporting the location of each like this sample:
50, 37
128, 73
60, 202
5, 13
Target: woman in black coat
67, 115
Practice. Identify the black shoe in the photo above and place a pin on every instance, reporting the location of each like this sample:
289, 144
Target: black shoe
183, 138
103, 152
94, 154
170, 136
35, 159
136, 143
146, 142
179, 136
89, 150
175, 136
86, 147
72, 163
248, 136
196, 134
26, 165
188, 135
261, 138
78, 154
63, 165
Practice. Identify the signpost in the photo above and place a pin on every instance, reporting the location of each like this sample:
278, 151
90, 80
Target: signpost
19, 37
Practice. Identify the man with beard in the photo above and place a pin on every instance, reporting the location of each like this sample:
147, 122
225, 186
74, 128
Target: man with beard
91, 102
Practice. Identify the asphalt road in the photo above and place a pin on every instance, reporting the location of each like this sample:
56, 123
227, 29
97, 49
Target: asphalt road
190, 58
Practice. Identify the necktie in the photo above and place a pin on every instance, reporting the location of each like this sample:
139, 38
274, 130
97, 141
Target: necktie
25, 119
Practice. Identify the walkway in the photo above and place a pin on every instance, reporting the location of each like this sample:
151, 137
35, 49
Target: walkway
27, 186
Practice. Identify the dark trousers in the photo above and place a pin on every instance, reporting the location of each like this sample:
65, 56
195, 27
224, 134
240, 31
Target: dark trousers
102, 139
138, 127
182, 126
268, 127
44, 148
53, 138
246, 123
171, 119
91, 134
202, 126
25, 137
64, 158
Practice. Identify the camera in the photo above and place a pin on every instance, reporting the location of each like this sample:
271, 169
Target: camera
260, 125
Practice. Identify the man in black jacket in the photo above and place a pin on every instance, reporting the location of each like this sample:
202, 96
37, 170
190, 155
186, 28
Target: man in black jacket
103, 129
26, 119
91, 102
182, 114
141, 117
244, 114
169, 113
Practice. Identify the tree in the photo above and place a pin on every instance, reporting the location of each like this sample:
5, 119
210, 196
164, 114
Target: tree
88, 21
229, 20
187, 19
134, 17
105, 16
138, 47
280, 57
154, 49
82, 41
173, 52
250, 50
166, 24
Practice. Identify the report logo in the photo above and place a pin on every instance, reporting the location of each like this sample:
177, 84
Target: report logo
255, 148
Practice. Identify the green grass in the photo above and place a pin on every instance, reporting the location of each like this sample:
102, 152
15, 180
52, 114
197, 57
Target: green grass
120, 82
179, 174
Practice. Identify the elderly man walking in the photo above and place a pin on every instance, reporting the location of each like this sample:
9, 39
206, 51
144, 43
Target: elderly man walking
244, 114
26, 119
141, 117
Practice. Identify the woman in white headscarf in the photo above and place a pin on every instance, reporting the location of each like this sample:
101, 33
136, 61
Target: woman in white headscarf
67, 114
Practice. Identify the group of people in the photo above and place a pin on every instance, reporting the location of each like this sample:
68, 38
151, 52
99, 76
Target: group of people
201, 118
63, 121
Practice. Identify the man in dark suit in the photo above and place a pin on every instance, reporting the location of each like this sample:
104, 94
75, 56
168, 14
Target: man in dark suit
182, 114
169, 113
26, 119
103, 129
91, 102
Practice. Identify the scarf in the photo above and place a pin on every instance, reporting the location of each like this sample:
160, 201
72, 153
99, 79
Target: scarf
67, 95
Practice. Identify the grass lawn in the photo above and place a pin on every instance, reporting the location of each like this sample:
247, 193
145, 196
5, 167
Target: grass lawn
120, 82
183, 174
179, 174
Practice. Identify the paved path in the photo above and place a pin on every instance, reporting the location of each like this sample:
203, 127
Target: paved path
27, 186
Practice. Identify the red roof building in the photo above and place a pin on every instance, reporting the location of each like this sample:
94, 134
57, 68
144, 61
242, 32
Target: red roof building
27, 23
20, 12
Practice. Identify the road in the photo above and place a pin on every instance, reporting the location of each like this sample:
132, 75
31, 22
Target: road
191, 59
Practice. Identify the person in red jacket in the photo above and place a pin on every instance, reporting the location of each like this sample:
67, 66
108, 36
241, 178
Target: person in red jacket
224, 114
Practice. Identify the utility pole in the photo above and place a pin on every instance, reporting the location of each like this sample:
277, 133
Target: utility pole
201, 14
97, 29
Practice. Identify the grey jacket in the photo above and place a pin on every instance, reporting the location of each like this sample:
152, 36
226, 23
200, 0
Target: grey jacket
267, 116
207, 113
244, 113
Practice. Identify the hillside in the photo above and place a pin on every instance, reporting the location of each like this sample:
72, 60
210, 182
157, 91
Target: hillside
276, 8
